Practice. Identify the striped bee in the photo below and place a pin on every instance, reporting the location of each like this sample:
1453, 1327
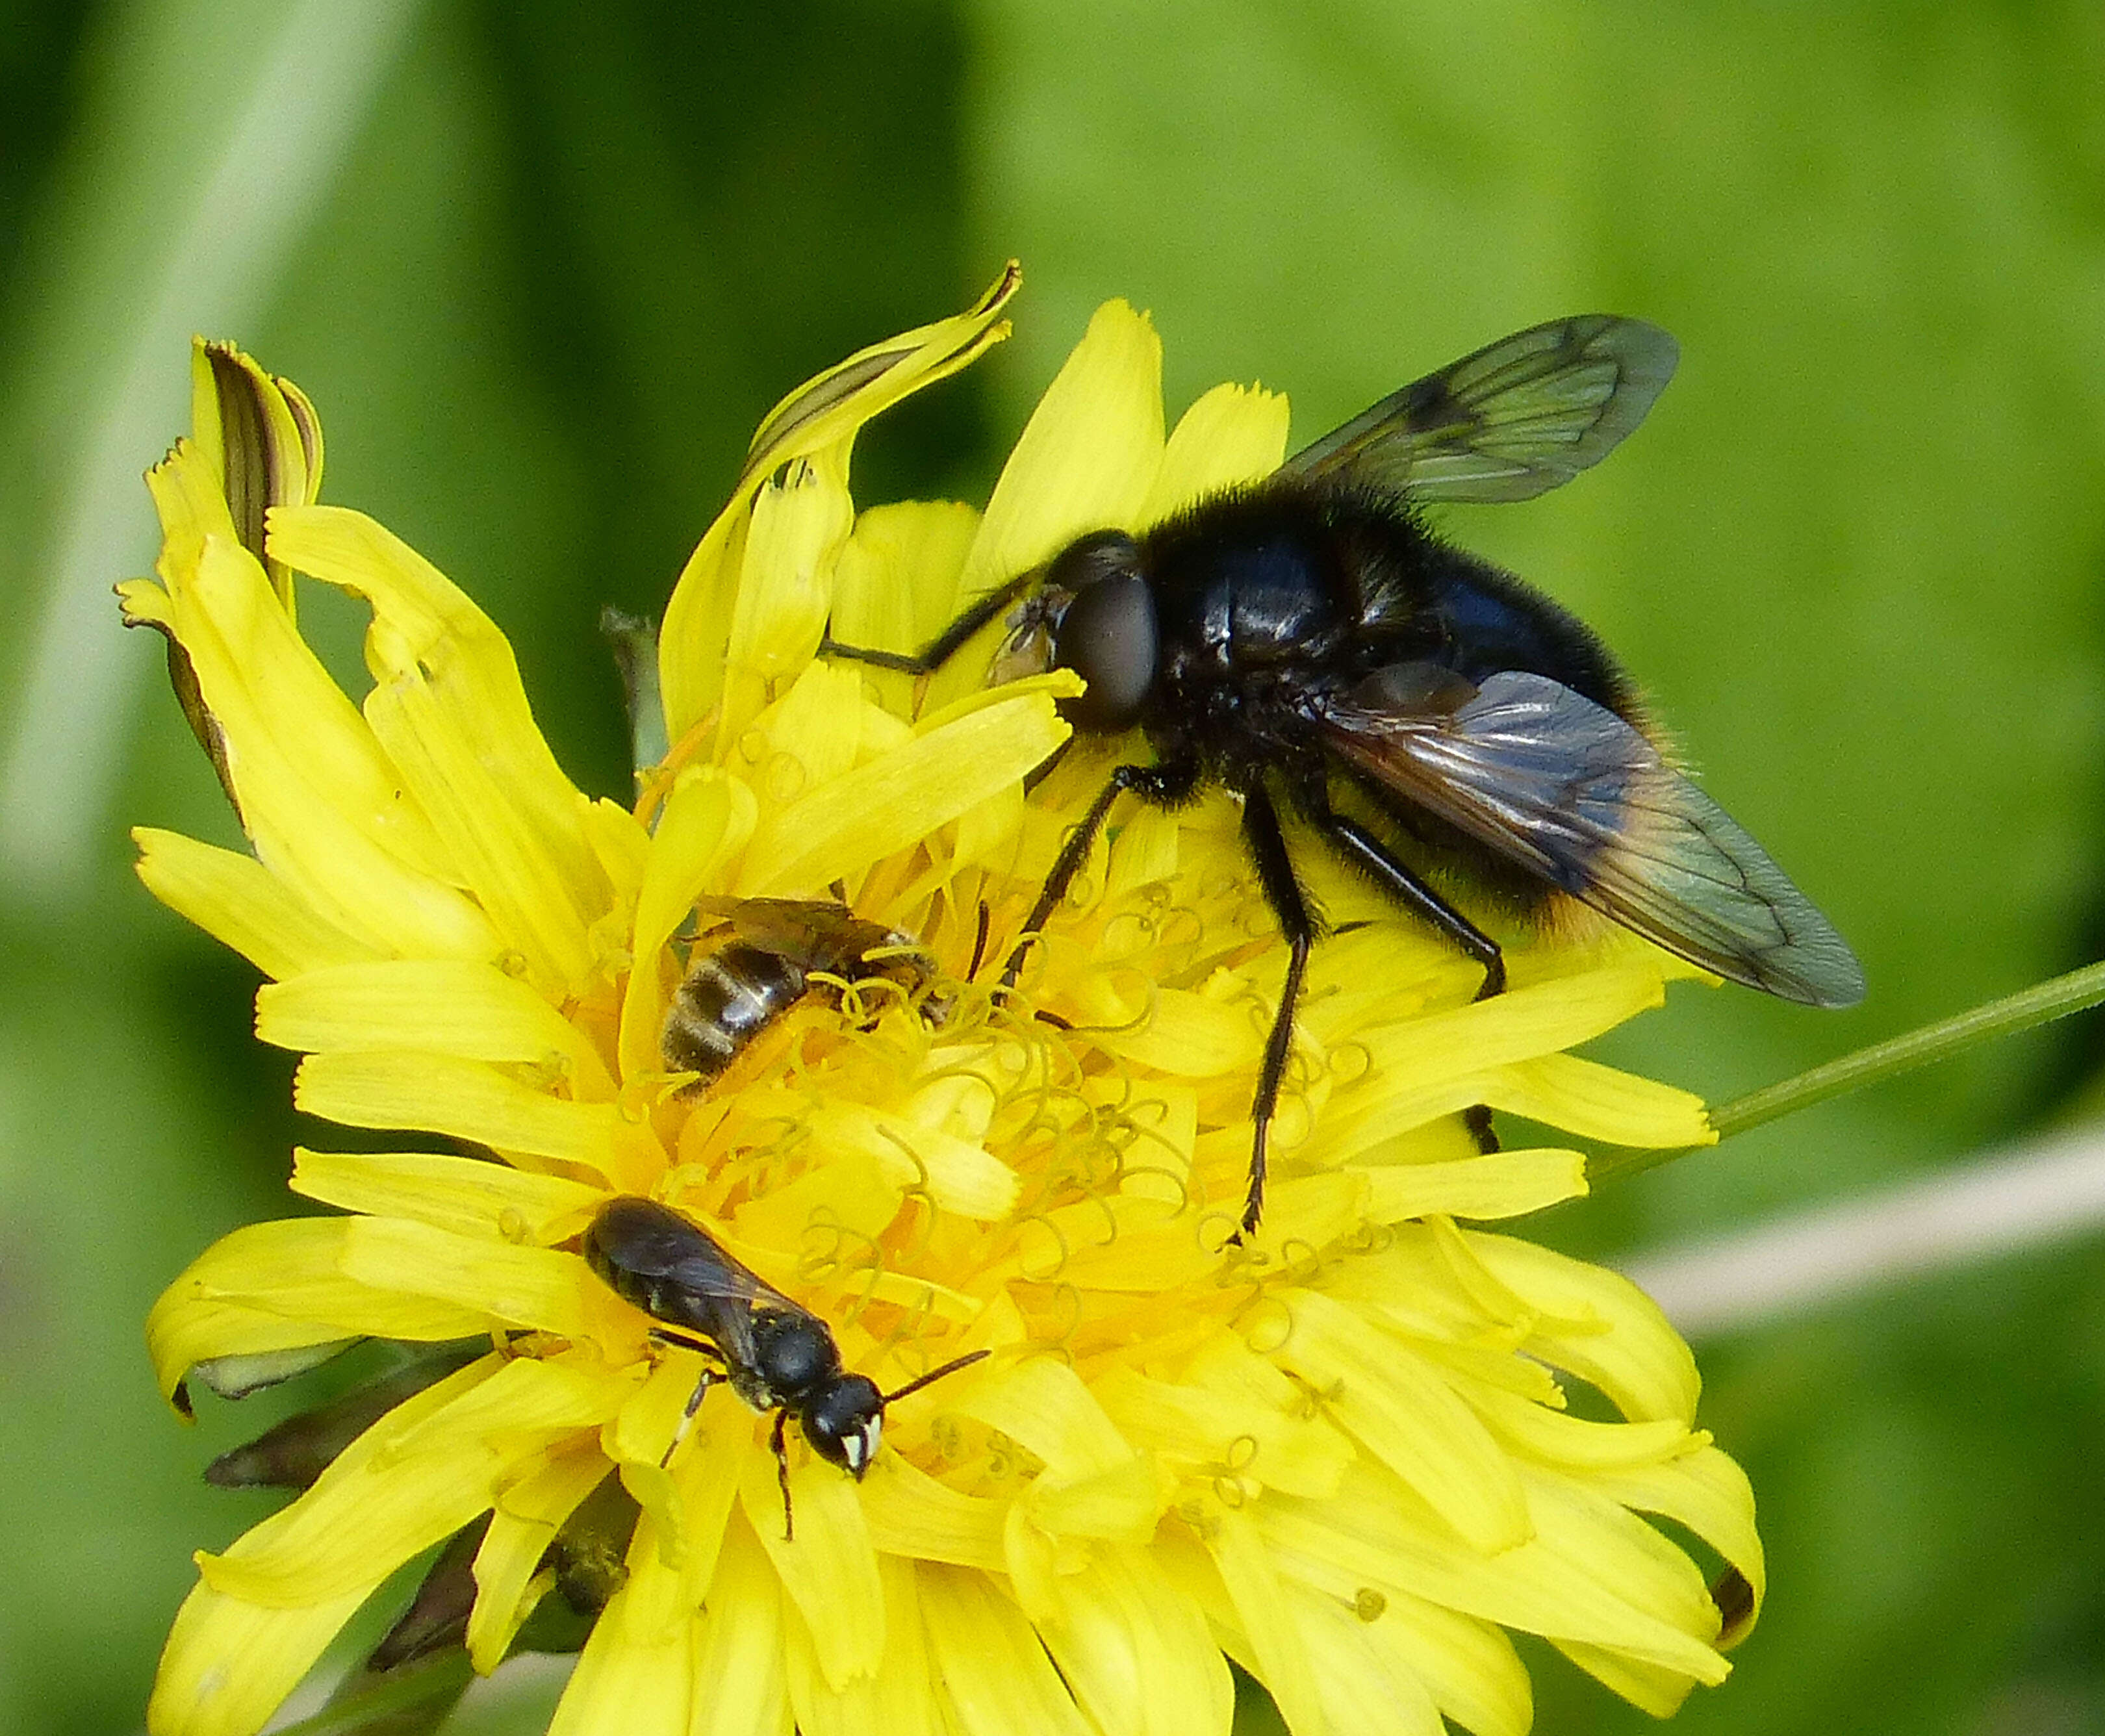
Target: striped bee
733, 992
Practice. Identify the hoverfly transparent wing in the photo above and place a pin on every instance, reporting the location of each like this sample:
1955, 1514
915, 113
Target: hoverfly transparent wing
1570, 791
1519, 417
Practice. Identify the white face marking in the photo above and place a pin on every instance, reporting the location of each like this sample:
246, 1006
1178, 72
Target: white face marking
862, 1447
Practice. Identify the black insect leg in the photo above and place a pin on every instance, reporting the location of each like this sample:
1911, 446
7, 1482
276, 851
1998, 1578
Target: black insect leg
1164, 785
1358, 845
782, 1471
1282, 892
1353, 841
980, 941
945, 646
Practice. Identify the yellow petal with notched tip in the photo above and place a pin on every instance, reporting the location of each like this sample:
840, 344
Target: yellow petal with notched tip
454, 719
1574, 1443
472, 1011
336, 829
1086, 461
1138, 1655
1600, 1103
1049, 1407
910, 1513
1517, 1025
1265, 1614
1651, 1688
1385, 1535
467, 1196
829, 1571
1366, 1686
899, 1700
1704, 1491
264, 687
409, 1483
1629, 1555
1469, 1188
822, 413
290, 1270
473, 1100
954, 763
1232, 435
239, 901
993, 1671
525, 1518
531, 1287
1373, 1385
740, 1686
1628, 1348
628, 1683
195, 1693
705, 821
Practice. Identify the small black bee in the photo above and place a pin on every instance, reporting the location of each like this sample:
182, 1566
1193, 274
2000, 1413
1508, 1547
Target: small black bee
730, 995
777, 1355
1308, 638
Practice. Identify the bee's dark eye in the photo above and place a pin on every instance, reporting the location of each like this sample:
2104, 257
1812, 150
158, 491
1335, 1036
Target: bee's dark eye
1107, 634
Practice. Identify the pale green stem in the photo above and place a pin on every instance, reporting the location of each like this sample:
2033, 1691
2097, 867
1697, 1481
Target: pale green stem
2040, 1005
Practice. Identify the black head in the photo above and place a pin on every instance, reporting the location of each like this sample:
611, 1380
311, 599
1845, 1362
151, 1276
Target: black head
842, 1419
1107, 632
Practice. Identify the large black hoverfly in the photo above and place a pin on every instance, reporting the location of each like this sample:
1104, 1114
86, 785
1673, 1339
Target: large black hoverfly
1309, 643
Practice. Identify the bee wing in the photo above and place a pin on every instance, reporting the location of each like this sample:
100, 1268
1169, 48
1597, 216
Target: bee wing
797, 926
817, 933
1568, 789
1518, 417
705, 1270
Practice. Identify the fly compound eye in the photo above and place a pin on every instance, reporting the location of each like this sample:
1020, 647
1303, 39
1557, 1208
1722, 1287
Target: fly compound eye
842, 1422
1108, 637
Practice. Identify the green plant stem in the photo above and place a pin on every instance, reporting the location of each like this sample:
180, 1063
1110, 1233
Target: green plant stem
2040, 1005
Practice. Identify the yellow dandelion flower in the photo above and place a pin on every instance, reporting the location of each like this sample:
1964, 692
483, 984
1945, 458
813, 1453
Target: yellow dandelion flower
1352, 1455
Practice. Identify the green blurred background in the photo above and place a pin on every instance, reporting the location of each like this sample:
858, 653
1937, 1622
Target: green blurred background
542, 266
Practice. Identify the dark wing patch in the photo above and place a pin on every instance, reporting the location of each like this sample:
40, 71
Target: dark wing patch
1519, 417
1568, 789
817, 934
705, 1270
